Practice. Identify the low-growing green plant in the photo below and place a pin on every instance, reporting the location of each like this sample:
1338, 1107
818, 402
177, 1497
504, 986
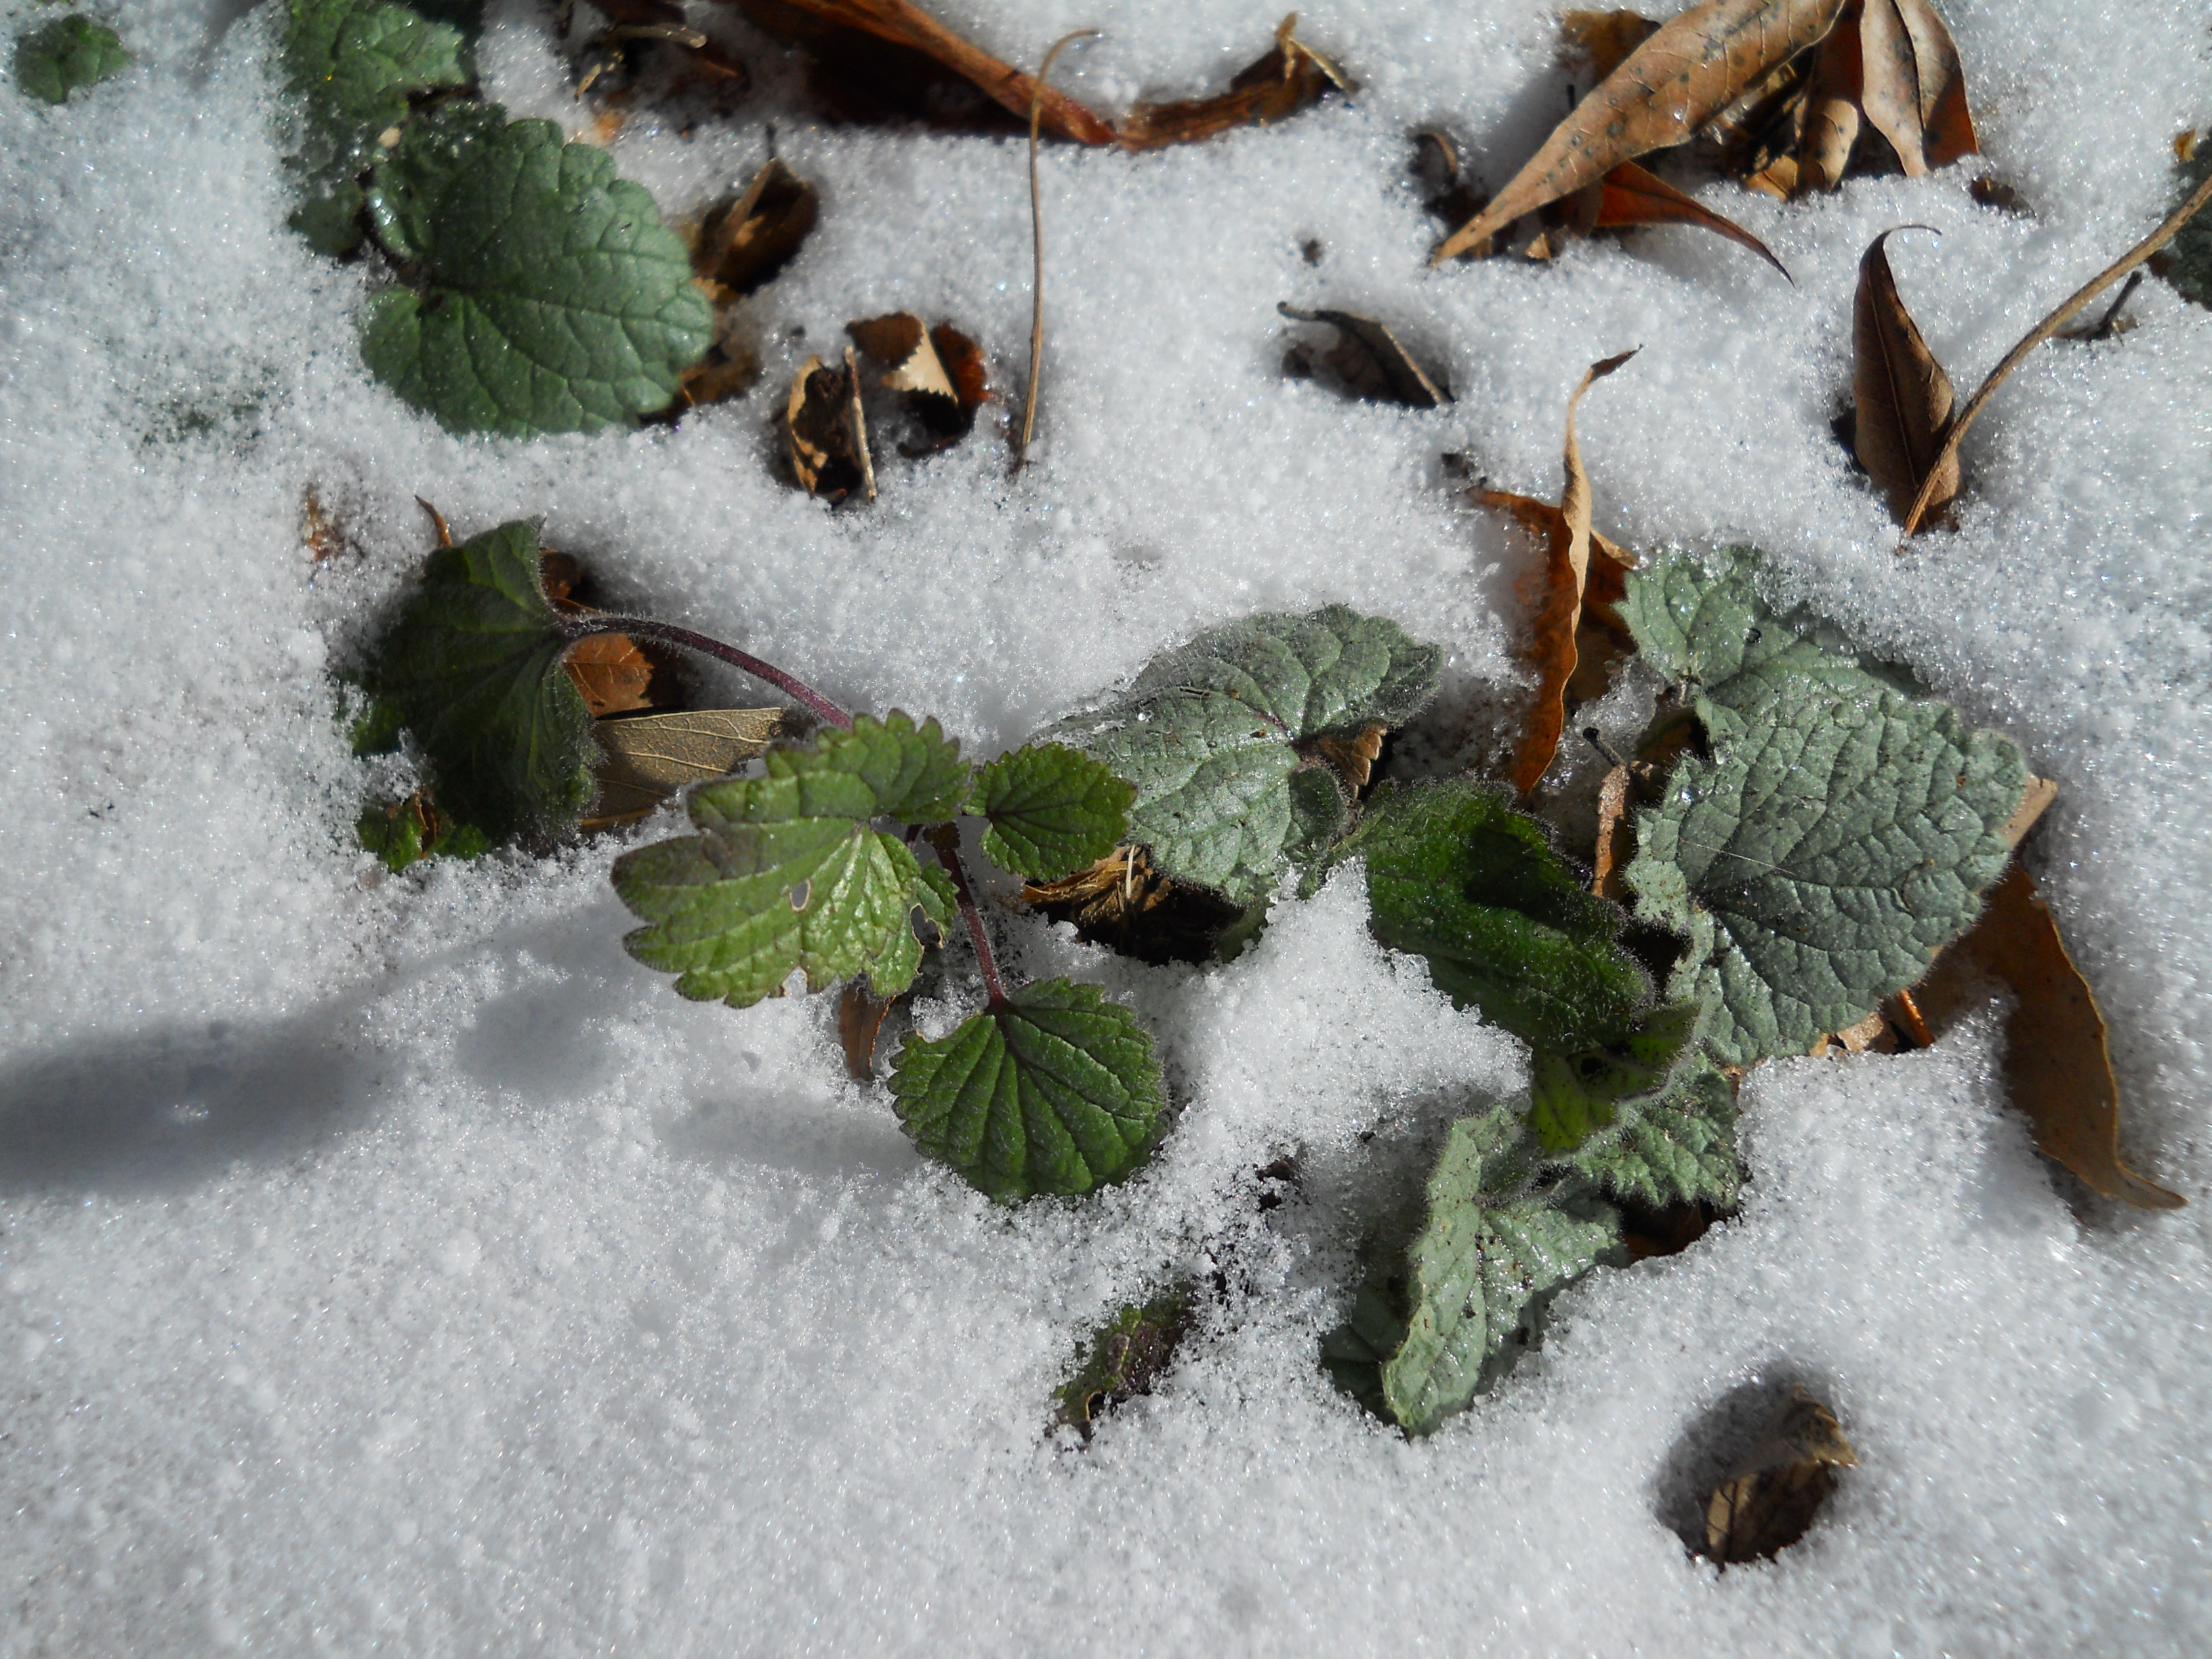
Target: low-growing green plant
1836, 830
57, 58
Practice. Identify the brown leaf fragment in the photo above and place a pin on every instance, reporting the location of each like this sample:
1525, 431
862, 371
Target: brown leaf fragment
1616, 835
1123, 903
944, 401
903, 24
323, 536
2058, 1068
610, 672
1372, 363
1833, 113
1992, 191
1352, 759
1915, 92
646, 759
1630, 196
826, 432
438, 524
1604, 40
860, 1020
1902, 395
1446, 191
2035, 801
1291, 77
964, 366
1692, 68
1559, 602
749, 241
1771, 1500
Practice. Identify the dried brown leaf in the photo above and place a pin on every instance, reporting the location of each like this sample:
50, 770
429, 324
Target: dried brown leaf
1903, 397
755, 235
1692, 68
1372, 362
646, 759
1352, 759
1770, 1500
1560, 600
1630, 196
610, 672
2034, 801
860, 1014
1291, 77
1604, 40
2058, 1068
1123, 903
939, 369
323, 537
1616, 835
1833, 113
1915, 92
903, 24
825, 431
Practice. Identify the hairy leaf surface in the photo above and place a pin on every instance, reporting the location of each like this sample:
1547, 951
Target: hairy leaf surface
355, 63
544, 293
1672, 1148
1206, 735
1456, 876
1055, 1091
472, 664
55, 60
1572, 1097
1052, 810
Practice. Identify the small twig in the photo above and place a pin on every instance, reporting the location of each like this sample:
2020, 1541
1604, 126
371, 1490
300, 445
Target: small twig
944, 842
1036, 237
1596, 739
583, 625
437, 521
2043, 330
2108, 324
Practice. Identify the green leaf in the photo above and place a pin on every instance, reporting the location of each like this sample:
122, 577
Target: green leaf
1206, 735
1573, 1096
54, 60
1820, 860
888, 768
1673, 1148
395, 834
1054, 1090
1124, 1357
1490, 1253
1052, 811
1456, 876
2188, 267
545, 293
355, 63
472, 662
938, 898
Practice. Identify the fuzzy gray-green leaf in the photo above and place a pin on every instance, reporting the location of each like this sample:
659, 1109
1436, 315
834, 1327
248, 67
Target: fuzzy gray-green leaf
544, 295
471, 661
1205, 734
1820, 861
1054, 1090
1573, 1096
1673, 1148
354, 65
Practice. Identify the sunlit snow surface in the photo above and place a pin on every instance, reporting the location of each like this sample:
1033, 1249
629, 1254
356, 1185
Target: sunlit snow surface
397, 1267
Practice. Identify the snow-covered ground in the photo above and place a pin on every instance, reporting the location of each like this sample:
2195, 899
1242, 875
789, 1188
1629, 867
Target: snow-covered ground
395, 1267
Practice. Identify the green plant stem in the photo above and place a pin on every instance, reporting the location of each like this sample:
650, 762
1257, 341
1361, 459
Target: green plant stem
944, 842
578, 626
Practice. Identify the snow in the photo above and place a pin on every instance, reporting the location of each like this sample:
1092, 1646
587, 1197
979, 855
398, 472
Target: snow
396, 1266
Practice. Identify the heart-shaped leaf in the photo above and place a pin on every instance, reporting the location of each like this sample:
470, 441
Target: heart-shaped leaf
1054, 1090
1052, 811
544, 295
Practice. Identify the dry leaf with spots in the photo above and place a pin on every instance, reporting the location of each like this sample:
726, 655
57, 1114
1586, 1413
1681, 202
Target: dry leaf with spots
1292, 76
1915, 92
1901, 394
2057, 1067
1371, 361
1604, 40
1692, 68
904, 24
647, 758
826, 433
744, 244
1560, 600
1772, 1497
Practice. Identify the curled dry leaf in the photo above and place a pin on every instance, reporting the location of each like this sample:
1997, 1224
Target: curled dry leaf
749, 241
1604, 40
860, 1014
1915, 92
940, 369
610, 672
1352, 759
1371, 361
1829, 129
1292, 76
905, 25
2058, 1069
1124, 903
1560, 605
1902, 395
1769, 1502
1630, 196
1692, 67
826, 432
645, 759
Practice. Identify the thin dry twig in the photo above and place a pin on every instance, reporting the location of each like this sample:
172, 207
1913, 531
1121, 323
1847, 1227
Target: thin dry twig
2043, 331
1036, 235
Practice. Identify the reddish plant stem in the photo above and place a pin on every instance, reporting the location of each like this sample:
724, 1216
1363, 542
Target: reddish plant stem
944, 842
581, 625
